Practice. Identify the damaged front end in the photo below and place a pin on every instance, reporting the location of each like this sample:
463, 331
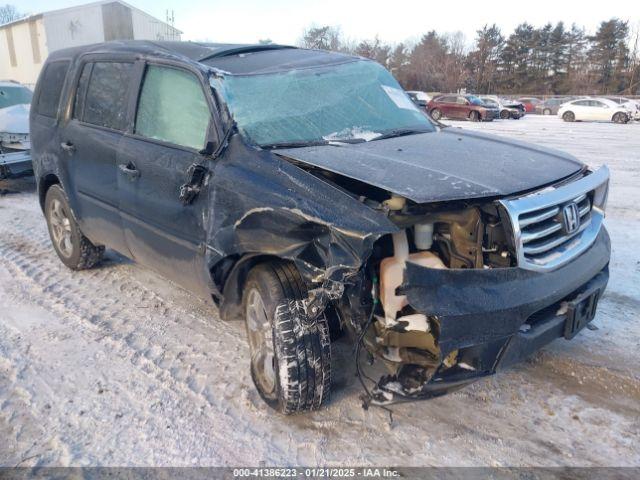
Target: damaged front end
15, 145
463, 289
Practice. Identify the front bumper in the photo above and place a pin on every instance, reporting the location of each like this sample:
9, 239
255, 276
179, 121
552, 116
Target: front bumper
15, 164
491, 114
496, 317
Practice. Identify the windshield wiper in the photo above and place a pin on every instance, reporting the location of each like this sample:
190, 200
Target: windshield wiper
399, 132
311, 143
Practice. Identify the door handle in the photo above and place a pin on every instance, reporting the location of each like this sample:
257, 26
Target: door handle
129, 170
67, 146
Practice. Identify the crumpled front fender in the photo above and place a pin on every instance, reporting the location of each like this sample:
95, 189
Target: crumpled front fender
265, 205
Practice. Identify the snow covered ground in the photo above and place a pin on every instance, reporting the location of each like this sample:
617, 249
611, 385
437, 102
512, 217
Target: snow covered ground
117, 366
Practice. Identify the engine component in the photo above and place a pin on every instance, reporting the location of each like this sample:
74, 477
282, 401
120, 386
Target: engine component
423, 236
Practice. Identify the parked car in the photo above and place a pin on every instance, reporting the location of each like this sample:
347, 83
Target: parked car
445, 253
421, 99
15, 157
510, 103
456, 106
550, 106
632, 105
506, 109
529, 103
594, 109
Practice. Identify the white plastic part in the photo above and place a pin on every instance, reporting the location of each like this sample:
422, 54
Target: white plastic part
423, 235
400, 245
391, 274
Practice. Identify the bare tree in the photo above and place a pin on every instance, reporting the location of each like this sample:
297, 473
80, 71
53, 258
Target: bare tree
9, 13
634, 63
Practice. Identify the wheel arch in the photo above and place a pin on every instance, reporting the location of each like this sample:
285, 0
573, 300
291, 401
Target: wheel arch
620, 112
44, 184
229, 276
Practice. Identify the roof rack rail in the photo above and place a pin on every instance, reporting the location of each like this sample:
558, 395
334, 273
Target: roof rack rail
243, 49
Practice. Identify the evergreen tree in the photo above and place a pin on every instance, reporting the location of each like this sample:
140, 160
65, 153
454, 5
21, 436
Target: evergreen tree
483, 59
609, 55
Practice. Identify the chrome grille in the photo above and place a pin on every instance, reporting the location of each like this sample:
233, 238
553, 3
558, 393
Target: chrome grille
554, 225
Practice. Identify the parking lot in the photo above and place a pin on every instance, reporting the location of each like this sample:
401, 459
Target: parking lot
117, 366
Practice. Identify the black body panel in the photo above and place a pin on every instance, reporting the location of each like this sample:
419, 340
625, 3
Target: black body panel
450, 164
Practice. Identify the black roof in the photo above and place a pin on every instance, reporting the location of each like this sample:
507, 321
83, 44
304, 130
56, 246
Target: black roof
235, 59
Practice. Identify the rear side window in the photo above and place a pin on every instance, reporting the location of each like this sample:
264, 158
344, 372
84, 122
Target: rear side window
173, 108
51, 87
105, 101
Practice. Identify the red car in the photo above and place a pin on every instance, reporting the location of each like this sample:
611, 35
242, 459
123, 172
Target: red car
530, 103
461, 107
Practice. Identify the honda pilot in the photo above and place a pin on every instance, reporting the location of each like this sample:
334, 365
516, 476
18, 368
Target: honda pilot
304, 193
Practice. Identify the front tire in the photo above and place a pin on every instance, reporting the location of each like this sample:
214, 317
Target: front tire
504, 114
474, 116
568, 117
436, 114
620, 118
546, 111
290, 352
74, 249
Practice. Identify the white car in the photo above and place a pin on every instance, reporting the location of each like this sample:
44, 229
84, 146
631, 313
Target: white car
594, 109
15, 155
419, 98
508, 108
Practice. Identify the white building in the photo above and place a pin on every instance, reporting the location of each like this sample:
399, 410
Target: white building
25, 43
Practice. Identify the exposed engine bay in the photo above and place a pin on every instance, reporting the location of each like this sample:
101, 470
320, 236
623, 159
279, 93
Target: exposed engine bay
376, 312
404, 339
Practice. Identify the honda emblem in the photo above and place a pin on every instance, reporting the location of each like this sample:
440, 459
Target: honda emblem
571, 218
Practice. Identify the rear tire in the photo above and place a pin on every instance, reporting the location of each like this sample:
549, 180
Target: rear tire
74, 249
436, 114
568, 117
474, 116
546, 111
290, 353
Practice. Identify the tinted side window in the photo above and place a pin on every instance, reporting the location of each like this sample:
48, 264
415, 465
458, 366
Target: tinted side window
173, 108
51, 87
105, 103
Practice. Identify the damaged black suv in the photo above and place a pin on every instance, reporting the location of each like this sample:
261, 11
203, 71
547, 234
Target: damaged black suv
303, 192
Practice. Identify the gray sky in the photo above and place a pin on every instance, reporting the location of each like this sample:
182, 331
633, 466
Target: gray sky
283, 21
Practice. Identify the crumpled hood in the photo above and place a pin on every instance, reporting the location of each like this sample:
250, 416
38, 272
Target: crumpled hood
15, 119
450, 164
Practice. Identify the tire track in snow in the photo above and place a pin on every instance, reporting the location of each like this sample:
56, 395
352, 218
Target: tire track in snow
110, 321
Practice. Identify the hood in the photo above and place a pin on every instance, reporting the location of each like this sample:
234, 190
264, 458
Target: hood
512, 104
450, 164
15, 119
